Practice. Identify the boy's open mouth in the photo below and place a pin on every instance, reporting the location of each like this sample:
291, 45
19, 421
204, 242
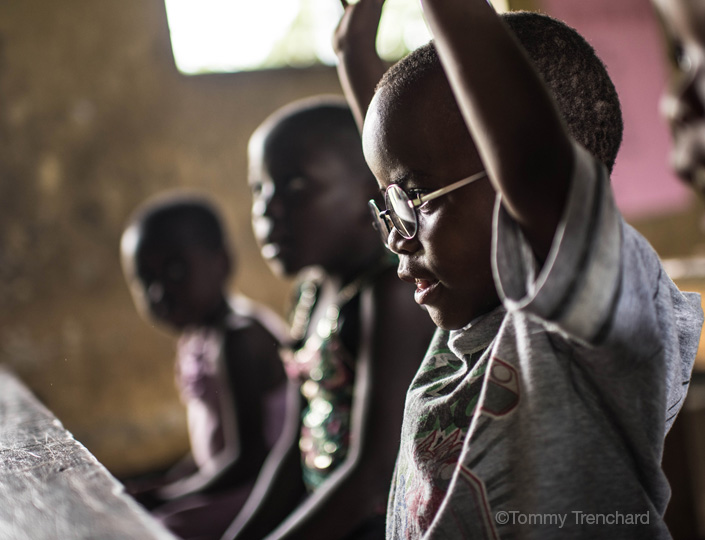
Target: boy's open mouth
424, 288
425, 285
422, 283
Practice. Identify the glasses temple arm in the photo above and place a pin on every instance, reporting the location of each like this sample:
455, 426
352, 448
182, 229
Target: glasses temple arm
452, 187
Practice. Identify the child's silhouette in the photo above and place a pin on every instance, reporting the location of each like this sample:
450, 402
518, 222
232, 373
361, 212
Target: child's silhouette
228, 370
564, 351
360, 337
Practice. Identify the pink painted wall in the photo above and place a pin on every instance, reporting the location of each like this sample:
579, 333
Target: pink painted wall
626, 35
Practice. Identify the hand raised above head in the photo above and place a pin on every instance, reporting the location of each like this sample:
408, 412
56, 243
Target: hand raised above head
359, 65
358, 25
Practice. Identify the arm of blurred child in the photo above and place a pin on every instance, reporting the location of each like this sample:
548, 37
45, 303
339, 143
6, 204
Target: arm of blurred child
279, 487
146, 490
253, 367
394, 339
513, 120
359, 66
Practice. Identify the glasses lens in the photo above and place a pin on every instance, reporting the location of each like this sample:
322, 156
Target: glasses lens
401, 211
378, 222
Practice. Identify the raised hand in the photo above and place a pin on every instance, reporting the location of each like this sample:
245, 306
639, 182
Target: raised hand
358, 25
359, 65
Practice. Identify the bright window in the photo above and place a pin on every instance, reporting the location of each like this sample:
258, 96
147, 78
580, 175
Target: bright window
236, 35
210, 36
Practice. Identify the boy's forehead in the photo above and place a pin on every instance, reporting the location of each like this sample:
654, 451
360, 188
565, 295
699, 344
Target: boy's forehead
155, 248
375, 136
286, 147
160, 240
390, 115
419, 132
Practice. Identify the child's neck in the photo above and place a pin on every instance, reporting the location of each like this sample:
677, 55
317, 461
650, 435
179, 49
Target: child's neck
217, 315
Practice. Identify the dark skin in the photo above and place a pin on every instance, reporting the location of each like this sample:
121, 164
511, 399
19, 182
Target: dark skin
511, 129
389, 345
173, 283
513, 121
245, 450
295, 179
181, 287
359, 66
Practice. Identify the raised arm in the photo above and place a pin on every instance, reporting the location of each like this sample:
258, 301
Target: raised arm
393, 342
513, 120
359, 66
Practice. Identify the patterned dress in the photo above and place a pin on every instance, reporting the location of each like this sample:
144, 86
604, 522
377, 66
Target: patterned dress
325, 367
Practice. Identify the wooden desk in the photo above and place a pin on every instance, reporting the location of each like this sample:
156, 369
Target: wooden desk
51, 487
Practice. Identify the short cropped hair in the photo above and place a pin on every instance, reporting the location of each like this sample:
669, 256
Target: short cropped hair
179, 219
572, 71
321, 114
325, 120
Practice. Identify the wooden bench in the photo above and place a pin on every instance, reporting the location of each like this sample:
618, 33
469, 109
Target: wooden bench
51, 487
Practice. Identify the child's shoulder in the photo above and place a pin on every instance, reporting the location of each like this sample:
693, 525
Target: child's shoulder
636, 245
254, 335
253, 317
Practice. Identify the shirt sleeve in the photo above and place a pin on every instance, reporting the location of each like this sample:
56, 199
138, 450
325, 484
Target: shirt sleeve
577, 285
603, 286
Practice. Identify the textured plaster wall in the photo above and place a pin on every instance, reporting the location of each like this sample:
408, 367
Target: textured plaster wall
94, 118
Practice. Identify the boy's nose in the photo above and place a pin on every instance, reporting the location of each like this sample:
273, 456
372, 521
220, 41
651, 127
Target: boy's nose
268, 205
400, 245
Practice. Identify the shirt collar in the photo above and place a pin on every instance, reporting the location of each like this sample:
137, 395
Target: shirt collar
478, 334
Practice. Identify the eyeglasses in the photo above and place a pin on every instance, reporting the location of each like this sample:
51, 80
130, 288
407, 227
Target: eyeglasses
400, 210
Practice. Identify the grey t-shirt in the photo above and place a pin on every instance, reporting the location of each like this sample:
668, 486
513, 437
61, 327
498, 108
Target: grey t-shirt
546, 417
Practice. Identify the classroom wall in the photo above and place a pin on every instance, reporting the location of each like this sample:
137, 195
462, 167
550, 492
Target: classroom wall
627, 37
94, 118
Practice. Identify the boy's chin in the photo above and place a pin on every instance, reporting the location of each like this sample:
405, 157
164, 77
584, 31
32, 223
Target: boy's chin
444, 320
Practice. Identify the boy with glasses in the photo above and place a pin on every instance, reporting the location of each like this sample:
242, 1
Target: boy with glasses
564, 351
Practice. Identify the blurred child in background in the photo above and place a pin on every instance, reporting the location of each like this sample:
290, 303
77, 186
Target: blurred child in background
177, 262
359, 335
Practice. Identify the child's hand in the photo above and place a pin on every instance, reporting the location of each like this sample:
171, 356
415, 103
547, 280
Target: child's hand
359, 66
358, 26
